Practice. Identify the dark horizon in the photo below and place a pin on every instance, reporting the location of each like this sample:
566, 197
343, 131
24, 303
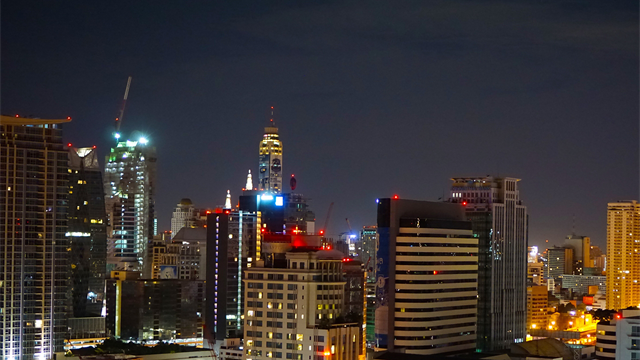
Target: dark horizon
373, 98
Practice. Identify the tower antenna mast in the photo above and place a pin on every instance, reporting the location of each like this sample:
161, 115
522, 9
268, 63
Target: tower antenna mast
121, 115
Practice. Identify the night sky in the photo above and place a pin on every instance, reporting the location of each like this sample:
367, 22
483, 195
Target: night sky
373, 98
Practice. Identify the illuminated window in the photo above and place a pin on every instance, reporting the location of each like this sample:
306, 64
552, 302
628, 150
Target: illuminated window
299, 337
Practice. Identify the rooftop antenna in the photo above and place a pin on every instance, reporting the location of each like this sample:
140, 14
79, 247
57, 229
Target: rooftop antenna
121, 115
272, 122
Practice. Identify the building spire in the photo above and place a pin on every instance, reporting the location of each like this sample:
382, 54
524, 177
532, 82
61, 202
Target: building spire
227, 202
249, 185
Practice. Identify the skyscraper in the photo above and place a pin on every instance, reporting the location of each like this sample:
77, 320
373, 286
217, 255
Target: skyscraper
270, 175
500, 222
33, 243
368, 239
232, 245
427, 278
129, 185
88, 234
623, 254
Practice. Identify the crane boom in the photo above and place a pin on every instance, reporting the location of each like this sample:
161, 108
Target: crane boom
121, 114
349, 224
326, 220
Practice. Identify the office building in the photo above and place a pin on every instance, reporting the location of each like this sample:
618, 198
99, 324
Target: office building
535, 273
500, 222
34, 267
87, 233
129, 186
234, 240
151, 311
427, 273
295, 311
559, 262
183, 257
368, 240
537, 303
623, 254
299, 219
581, 246
186, 215
579, 284
619, 338
270, 160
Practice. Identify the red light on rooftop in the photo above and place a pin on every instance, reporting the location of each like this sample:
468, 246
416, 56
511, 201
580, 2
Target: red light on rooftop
94, 146
17, 115
321, 232
69, 144
395, 197
68, 117
464, 203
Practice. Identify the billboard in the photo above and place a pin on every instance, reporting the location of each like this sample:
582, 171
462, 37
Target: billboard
168, 272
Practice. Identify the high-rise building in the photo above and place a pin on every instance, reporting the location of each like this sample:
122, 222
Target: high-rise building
270, 175
129, 185
155, 310
34, 268
87, 233
581, 246
537, 303
368, 240
182, 214
427, 273
559, 262
234, 239
294, 309
500, 222
623, 254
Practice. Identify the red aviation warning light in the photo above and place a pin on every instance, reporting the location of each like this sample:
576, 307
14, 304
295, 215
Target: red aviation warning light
69, 145
464, 203
321, 232
395, 197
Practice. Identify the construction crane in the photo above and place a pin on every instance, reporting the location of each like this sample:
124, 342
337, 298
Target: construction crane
326, 220
116, 134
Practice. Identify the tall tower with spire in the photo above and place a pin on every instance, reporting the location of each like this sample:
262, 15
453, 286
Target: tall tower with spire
227, 202
249, 185
270, 175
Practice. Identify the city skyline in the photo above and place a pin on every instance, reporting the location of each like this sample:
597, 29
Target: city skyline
445, 103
